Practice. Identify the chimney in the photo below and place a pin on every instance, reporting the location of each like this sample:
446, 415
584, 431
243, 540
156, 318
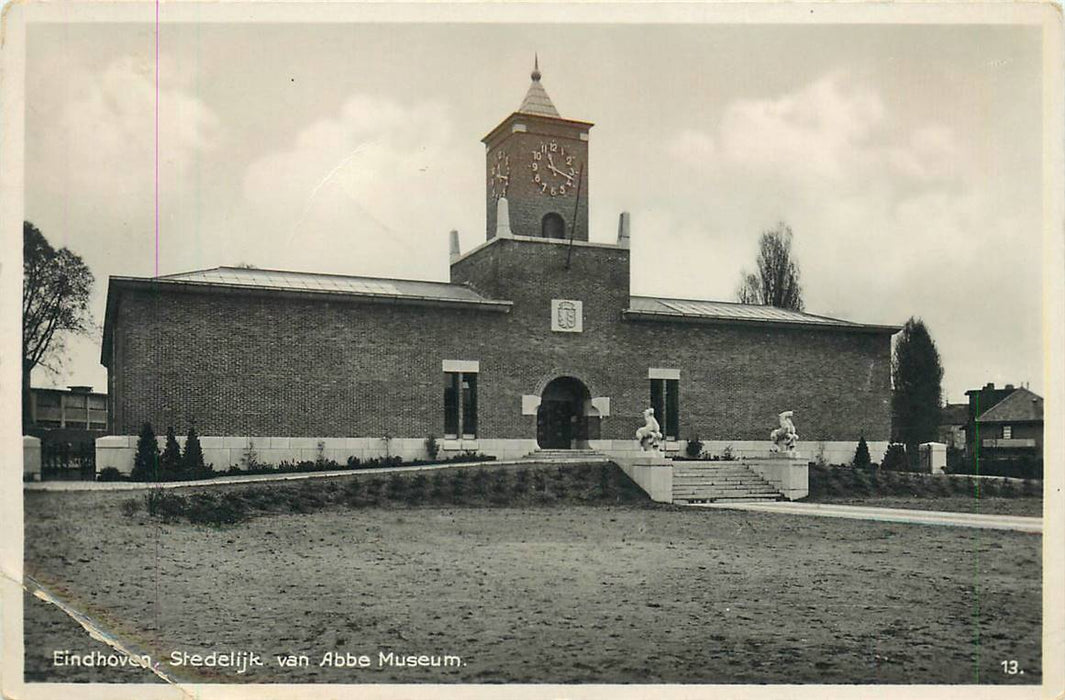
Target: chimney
1009, 387
454, 238
990, 386
503, 219
623, 230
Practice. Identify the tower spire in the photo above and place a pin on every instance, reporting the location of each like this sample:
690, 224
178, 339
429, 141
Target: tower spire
536, 100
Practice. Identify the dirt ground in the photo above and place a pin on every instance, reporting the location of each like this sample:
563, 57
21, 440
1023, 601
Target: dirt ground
571, 594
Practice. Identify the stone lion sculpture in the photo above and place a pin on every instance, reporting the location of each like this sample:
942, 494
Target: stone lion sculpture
650, 435
784, 437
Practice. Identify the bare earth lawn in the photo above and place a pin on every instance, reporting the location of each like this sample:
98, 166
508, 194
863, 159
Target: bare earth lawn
566, 593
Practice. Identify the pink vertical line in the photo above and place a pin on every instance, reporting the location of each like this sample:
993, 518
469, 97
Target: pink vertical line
156, 138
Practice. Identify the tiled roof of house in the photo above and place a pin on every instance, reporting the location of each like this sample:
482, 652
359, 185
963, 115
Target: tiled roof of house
1020, 406
728, 311
954, 414
316, 282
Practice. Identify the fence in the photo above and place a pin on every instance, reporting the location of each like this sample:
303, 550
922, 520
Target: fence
68, 461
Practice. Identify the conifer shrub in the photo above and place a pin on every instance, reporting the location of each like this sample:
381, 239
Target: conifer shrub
694, 448
170, 467
895, 458
861, 455
146, 459
432, 447
192, 459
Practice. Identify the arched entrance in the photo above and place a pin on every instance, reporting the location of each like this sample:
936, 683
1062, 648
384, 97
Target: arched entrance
553, 226
561, 420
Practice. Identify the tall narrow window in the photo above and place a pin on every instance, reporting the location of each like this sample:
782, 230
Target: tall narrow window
1007, 432
460, 398
451, 403
665, 400
469, 405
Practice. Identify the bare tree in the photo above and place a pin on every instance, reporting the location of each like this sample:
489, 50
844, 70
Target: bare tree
55, 299
776, 283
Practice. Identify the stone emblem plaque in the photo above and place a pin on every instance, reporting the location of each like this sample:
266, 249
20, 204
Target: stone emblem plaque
566, 316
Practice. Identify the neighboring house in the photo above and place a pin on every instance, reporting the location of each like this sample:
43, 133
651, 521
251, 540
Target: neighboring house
954, 418
1004, 423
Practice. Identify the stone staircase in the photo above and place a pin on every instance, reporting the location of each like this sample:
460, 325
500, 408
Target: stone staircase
703, 482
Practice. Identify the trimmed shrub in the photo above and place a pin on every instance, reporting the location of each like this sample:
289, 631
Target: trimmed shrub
861, 455
895, 458
110, 474
694, 448
146, 460
192, 459
432, 447
170, 461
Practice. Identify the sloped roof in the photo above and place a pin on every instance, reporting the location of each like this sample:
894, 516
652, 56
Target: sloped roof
682, 309
1020, 406
317, 282
954, 414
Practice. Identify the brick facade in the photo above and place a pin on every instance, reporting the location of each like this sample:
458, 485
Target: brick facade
267, 364
280, 362
528, 202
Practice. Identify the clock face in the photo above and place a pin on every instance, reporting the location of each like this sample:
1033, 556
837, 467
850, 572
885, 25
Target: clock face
499, 175
553, 169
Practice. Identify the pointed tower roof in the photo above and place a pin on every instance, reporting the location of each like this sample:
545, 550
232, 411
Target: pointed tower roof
536, 100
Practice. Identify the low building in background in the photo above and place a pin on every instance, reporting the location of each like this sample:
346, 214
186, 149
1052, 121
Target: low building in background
67, 423
1004, 426
952, 423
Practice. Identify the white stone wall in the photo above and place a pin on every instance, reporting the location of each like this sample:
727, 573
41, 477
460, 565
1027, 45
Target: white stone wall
833, 451
222, 452
31, 457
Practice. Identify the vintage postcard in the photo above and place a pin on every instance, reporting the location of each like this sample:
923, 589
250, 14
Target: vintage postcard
535, 350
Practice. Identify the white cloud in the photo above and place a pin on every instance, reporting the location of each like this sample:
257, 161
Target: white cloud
106, 134
891, 219
379, 174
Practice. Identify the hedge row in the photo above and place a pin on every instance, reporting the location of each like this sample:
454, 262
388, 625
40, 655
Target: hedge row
463, 486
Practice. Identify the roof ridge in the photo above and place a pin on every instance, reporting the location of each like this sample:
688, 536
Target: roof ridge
303, 272
739, 303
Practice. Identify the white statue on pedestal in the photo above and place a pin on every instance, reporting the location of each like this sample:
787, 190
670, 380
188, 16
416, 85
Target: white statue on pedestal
784, 437
650, 435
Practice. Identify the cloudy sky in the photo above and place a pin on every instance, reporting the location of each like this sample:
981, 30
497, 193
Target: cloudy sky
905, 158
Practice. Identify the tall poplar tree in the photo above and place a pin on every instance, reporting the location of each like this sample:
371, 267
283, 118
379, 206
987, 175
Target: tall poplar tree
917, 386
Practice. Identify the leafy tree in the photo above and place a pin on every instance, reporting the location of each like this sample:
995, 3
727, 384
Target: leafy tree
170, 462
776, 282
146, 460
861, 455
192, 460
917, 392
56, 285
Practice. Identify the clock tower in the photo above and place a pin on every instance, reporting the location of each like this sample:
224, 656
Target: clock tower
539, 162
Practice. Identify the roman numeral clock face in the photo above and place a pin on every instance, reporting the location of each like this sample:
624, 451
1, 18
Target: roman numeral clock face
554, 171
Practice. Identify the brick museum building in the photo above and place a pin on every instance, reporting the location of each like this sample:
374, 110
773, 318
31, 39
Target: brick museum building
535, 342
